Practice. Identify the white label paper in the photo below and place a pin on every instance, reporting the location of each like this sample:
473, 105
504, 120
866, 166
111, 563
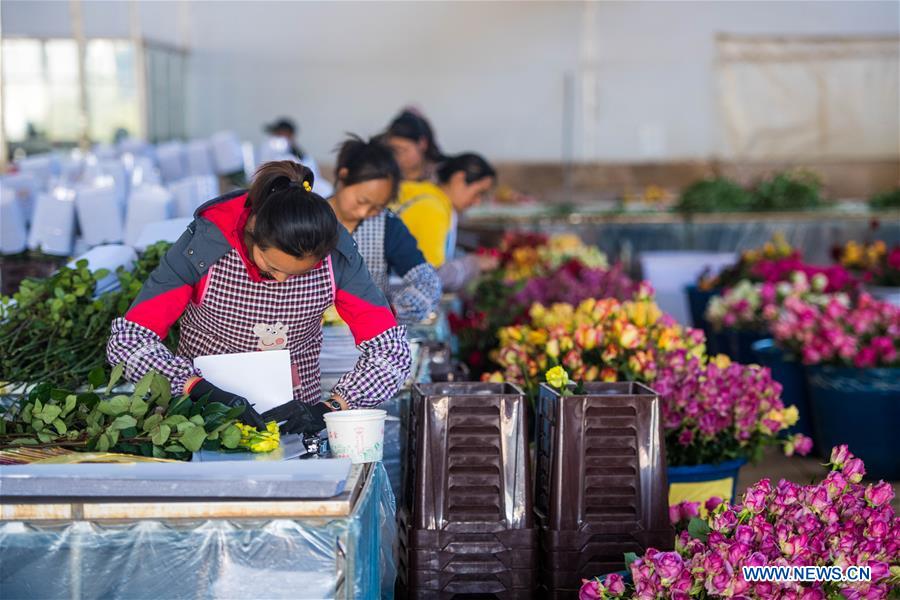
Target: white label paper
263, 378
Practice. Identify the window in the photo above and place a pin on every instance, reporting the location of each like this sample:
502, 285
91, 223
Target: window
112, 91
40, 79
41, 92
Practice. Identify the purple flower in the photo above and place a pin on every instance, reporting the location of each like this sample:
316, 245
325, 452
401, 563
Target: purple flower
879, 494
738, 551
880, 570
675, 514
724, 522
840, 455
744, 534
757, 559
712, 503
668, 566
589, 590
877, 529
803, 444
813, 594
854, 469
756, 496
615, 584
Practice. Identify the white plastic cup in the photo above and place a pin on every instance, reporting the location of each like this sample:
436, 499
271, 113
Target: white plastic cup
356, 434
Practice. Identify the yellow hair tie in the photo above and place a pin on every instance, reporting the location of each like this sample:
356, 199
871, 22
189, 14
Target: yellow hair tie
306, 186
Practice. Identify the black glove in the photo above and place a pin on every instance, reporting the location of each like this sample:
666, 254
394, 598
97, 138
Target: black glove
306, 419
250, 417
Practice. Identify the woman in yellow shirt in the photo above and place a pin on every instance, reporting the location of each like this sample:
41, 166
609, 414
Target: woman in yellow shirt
430, 212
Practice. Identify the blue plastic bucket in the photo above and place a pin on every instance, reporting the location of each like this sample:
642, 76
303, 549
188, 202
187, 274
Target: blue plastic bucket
697, 302
699, 483
794, 390
738, 344
860, 408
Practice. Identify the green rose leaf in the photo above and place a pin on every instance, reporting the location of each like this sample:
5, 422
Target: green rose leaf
102, 443
97, 377
69, 406
124, 422
50, 413
143, 386
699, 529
60, 426
160, 435
139, 408
151, 422
231, 437
114, 377
193, 438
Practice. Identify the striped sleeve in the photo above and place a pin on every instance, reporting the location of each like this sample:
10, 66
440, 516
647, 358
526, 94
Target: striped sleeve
385, 361
421, 289
137, 338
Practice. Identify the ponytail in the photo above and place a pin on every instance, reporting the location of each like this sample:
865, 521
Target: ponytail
473, 165
288, 215
362, 161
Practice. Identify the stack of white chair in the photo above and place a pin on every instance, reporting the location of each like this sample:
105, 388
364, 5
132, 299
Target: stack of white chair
191, 192
53, 228
44, 168
135, 147
146, 204
99, 213
105, 152
143, 171
227, 154
26, 188
13, 230
198, 155
171, 160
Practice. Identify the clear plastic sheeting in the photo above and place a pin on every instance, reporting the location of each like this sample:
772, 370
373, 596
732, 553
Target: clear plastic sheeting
349, 557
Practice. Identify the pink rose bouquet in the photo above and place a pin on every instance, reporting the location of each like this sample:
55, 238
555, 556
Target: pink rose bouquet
835, 523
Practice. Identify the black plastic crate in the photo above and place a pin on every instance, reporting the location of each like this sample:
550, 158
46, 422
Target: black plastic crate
600, 481
466, 521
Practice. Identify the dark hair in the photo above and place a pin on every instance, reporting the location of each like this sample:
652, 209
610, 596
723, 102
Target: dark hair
412, 126
288, 217
365, 161
473, 165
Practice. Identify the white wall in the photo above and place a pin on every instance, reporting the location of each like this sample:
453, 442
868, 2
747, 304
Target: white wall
489, 74
655, 66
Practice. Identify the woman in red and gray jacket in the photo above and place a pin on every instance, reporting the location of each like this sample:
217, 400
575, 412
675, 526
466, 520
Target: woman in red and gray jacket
255, 271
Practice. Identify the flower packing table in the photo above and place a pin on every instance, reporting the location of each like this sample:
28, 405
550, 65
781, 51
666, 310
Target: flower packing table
210, 547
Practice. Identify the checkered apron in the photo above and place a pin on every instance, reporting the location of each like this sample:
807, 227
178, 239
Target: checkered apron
234, 308
369, 237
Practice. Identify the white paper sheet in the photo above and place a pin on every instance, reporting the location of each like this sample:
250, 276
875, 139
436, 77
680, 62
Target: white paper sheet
263, 378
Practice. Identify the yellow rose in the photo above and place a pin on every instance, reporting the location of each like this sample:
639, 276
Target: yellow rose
586, 338
553, 348
629, 336
537, 311
537, 338
721, 361
791, 415
496, 377
557, 377
608, 374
